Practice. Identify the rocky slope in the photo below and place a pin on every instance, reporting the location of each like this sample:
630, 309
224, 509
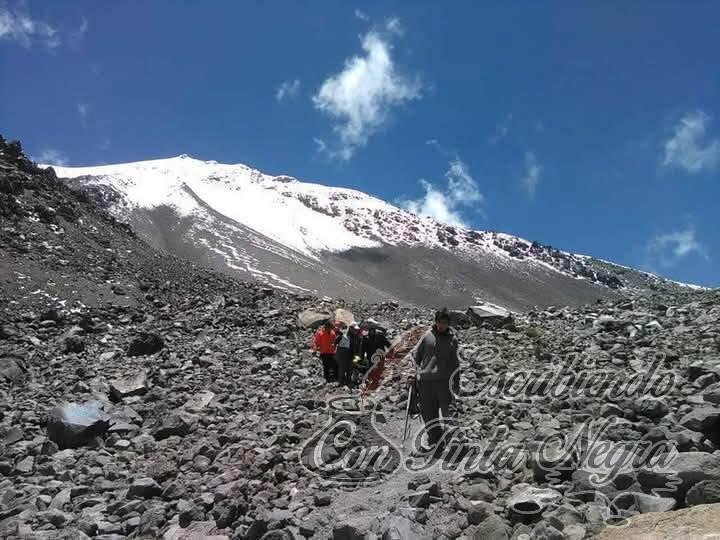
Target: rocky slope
199, 406
339, 242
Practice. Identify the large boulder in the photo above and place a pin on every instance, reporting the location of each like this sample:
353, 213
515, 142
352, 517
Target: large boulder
72, 425
311, 318
697, 522
676, 473
490, 315
706, 492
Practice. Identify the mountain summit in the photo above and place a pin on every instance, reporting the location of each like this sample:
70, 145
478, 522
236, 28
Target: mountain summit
308, 237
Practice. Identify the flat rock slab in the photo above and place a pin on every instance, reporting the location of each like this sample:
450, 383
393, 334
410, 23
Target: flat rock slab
311, 318
701, 521
133, 385
199, 401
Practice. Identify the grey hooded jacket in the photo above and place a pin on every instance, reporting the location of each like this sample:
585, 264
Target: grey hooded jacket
437, 356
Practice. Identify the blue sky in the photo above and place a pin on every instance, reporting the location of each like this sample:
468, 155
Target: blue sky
591, 127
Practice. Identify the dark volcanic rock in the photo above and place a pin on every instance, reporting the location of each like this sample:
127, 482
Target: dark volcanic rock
144, 488
12, 369
178, 423
71, 425
145, 343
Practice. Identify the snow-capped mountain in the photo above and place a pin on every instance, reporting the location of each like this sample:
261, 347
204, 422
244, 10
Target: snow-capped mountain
338, 242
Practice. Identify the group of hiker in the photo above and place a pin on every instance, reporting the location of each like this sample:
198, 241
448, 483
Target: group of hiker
436, 378
344, 348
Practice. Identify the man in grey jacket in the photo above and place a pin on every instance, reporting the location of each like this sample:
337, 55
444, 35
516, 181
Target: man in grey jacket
437, 375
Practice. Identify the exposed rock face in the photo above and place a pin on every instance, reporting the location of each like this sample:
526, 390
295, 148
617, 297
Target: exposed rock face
697, 522
201, 433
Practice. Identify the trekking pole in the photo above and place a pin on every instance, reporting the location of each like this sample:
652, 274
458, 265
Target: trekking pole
407, 416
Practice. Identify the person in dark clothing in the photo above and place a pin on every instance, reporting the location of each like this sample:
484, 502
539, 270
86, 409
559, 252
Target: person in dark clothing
324, 343
343, 358
437, 376
375, 340
348, 345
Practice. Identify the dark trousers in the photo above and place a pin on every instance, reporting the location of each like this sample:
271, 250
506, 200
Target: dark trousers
344, 366
329, 366
435, 397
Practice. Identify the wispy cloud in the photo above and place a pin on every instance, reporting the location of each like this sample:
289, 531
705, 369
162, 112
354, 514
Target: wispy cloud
83, 110
533, 170
17, 25
668, 249
446, 203
287, 90
361, 97
502, 129
51, 156
361, 15
686, 150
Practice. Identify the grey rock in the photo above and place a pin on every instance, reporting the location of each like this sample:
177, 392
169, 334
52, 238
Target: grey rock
705, 492
145, 343
704, 419
132, 385
12, 369
72, 425
144, 488
527, 502
311, 318
178, 423
493, 528
653, 408
477, 513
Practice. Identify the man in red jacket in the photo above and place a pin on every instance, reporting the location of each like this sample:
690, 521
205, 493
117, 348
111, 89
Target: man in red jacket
324, 343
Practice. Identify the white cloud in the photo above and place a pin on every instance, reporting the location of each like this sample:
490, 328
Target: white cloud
670, 248
287, 89
361, 15
446, 205
362, 96
51, 156
17, 25
83, 110
502, 129
394, 26
320, 145
685, 149
533, 170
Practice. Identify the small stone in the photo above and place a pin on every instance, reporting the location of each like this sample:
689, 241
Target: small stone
322, 499
144, 488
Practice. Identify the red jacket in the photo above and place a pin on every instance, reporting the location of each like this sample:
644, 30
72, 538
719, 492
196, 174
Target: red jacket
324, 341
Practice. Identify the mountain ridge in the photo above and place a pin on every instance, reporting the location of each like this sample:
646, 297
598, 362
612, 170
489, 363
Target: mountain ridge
300, 235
